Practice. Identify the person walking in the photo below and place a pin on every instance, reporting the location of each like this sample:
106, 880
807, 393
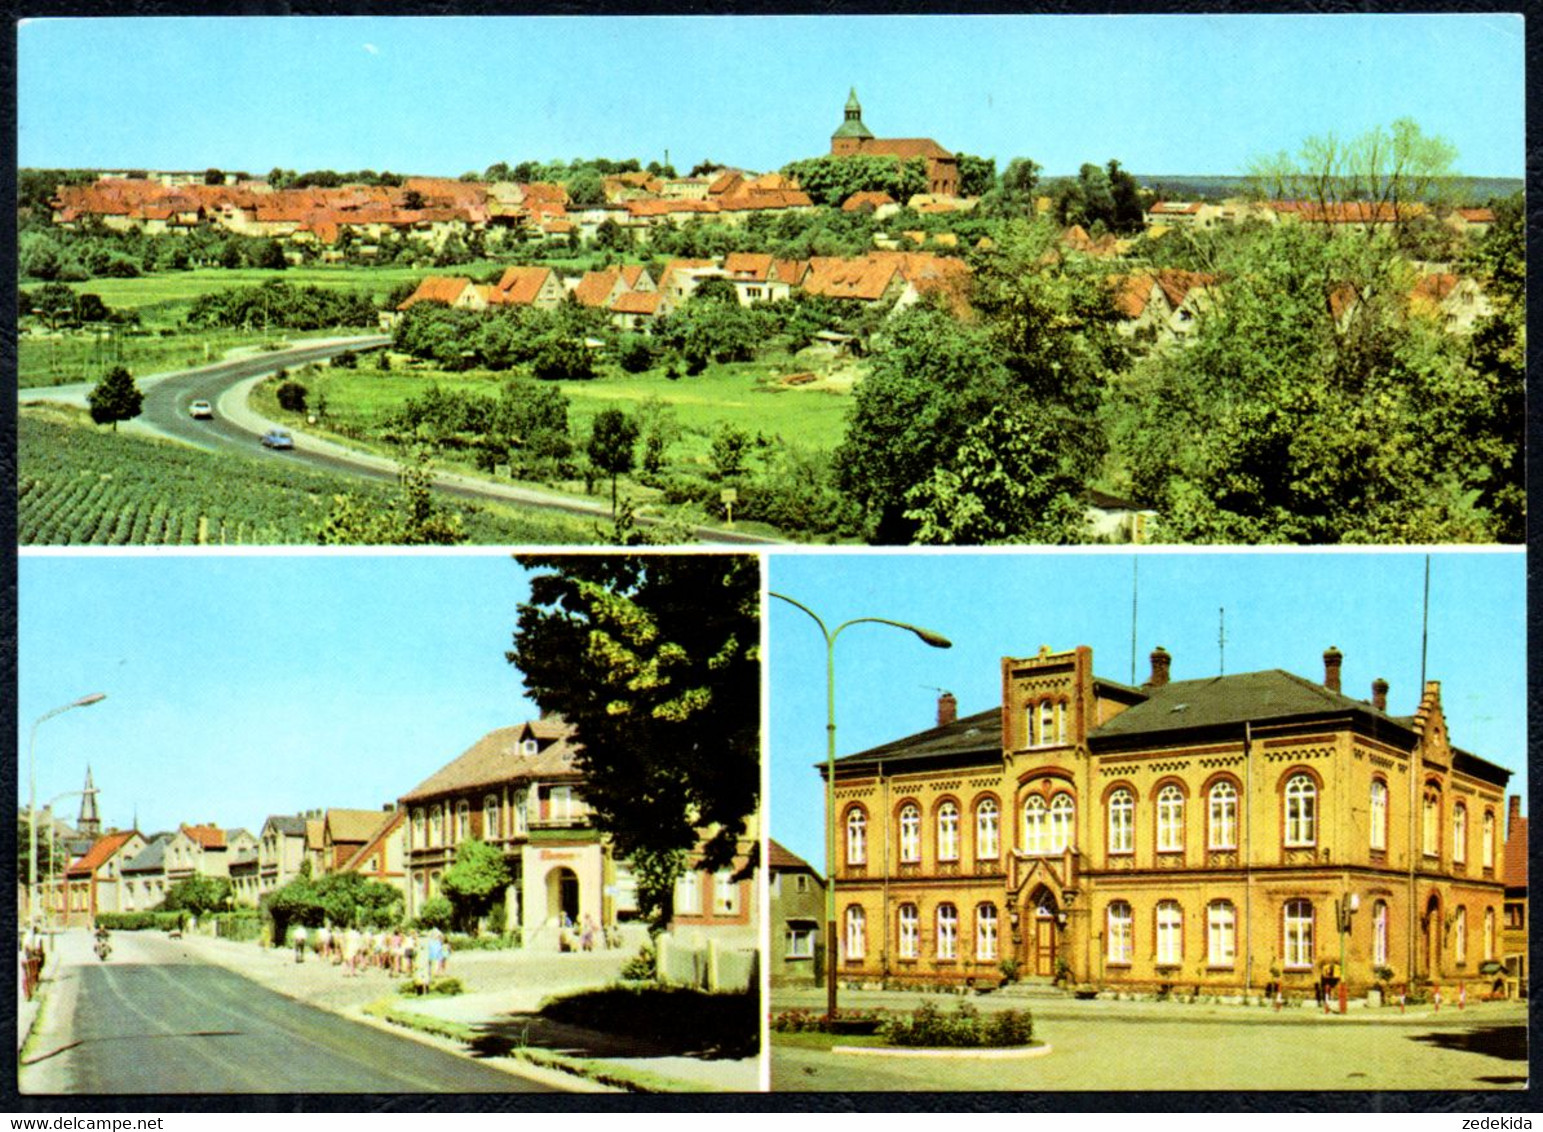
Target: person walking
324, 942
350, 951
420, 966
299, 942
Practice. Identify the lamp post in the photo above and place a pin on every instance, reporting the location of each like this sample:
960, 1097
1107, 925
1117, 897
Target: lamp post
1343, 910
32, 811
937, 641
48, 808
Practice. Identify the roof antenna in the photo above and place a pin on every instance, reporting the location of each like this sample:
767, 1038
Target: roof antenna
1221, 637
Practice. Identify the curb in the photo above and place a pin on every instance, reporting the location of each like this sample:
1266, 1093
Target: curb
1011, 1053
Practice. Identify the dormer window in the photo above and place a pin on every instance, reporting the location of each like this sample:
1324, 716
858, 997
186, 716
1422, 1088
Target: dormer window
529, 747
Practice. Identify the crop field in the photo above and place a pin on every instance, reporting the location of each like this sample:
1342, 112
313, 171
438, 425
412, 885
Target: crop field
78, 485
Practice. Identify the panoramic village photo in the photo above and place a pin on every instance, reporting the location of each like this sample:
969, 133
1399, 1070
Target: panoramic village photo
1076, 815
453, 811
842, 307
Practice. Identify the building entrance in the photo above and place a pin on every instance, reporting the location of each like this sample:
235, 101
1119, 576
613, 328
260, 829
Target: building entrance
1042, 935
562, 896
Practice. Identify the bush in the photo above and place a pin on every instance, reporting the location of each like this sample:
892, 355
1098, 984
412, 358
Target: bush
446, 987
507, 942
642, 967
292, 396
634, 354
346, 360
964, 1028
240, 926
437, 913
139, 921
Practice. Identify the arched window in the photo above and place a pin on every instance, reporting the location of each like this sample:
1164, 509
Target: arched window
1380, 934
1489, 934
1221, 933
1062, 811
1222, 828
419, 841
1030, 718
1170, 933
1487, 846
1430, 823
986, 932
1122, 821
1460, 935
857, 836
910, 932
1060, 721
1379, 815
437, 826
462, 820
1120, 932
1301, 811
1170, 820
948, 832
856, 933
490, 828
1459, 834
1297, 925
1036, 834
948, 932
1046, 723
986, 814
910, 833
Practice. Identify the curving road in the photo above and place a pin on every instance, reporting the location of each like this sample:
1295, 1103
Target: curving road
236, 427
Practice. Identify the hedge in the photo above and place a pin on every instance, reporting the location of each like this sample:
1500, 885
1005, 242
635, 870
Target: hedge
139, 921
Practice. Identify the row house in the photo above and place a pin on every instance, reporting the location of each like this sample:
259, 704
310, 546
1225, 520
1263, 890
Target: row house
204, 850
797, 901
382, 855
1229, 834
144, 876
345, 833
94, 882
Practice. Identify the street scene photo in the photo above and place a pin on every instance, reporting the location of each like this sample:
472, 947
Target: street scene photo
1222, 822
501, 285
389, 825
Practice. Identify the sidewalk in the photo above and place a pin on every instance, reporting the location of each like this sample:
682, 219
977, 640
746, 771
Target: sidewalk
504, 991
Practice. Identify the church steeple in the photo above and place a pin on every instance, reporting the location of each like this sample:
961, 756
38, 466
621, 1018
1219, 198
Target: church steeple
851, 127
90, 822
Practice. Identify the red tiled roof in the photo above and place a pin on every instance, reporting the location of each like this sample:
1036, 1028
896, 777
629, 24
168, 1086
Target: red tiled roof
866, 278
636, 302
436, 289
207, 836
1435, 287
100, 852
1131, 293
1177, 284
1174, 208
665, 207
904, 148
594, 289
1477, 215
866, 199
635, 275
790, 271
752, 266
519, 286
1515, 871
778, 857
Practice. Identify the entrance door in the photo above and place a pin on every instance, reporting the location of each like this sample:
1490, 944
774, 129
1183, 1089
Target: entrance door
1044, 933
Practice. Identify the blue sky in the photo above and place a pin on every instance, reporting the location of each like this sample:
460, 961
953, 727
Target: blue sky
242, 686
1163, 94
1282, 611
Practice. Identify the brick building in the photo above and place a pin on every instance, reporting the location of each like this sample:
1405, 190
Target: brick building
852, 137
1200, 833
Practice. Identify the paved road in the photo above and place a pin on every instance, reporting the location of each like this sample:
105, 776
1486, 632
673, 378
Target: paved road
236, 427
155, 1020
1109, 1046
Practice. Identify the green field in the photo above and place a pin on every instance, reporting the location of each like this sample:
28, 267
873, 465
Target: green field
75, 356
169, 288
80, 485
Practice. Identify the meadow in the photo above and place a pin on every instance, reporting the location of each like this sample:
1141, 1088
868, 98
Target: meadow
80, 485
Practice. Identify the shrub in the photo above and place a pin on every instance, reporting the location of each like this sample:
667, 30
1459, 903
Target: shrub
346, 360
965, 1027
507, 942
634, 354
642, 967
139, 921
437, 913
292, 396
446, 987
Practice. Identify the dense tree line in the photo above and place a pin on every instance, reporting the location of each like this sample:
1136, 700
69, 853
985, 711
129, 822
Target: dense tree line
279, 304
830, 180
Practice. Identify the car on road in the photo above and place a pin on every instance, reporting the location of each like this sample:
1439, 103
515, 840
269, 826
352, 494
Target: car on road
201, 411
278, 438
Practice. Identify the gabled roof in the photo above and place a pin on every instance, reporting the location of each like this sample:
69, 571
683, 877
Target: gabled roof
779, 858
101, 851
1515, 870
150, 859
353, 825
594, 289
866, 199
755, 267
288, 825
1132, 293
867, 278
904, 148
205, 836
383, 830
637, 302
437, 289
313, 832
1177, 284
499, 757
519, 286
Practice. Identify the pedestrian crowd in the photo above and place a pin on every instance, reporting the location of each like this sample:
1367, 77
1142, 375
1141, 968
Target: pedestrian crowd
423, 956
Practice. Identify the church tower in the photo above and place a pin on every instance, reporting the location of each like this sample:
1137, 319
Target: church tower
89, 823
851, 134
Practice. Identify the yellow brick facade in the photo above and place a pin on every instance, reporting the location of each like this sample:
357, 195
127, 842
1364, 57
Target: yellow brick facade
1214, 857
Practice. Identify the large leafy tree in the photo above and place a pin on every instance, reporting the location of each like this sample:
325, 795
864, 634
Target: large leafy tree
476, 881
115, 398
655, 662
198, 895
831, 179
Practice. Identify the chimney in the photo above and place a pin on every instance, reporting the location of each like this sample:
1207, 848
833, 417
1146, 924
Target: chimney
1513, 814
1160, 662
1332, 659
1380, 694
948, 709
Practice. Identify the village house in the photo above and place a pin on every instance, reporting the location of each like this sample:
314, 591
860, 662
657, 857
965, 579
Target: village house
382, 857
797, 895
94, 883
1232, 833
144, 876
1455, 302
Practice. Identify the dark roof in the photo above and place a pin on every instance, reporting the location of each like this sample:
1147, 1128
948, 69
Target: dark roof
980, 734
150, 859
290, 825
1183, 705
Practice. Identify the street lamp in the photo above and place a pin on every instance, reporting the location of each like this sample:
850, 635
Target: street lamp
937, 641
1343, 910
48, 808
32, 811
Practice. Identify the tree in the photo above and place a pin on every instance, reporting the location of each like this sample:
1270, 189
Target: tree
291, 396
476, 881
977, 175
437, 912
350, 900
612, 437
270, 255
729, 449
1005, 483
56, 302
655, 662
199, 895
1020, 178
213, 176
115, 398
413, 519
1127, 213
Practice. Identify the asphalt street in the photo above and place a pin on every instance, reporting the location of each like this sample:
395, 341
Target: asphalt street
154, 1019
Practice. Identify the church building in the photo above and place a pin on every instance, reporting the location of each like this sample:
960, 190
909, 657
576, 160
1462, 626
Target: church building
1224, 834
852, 137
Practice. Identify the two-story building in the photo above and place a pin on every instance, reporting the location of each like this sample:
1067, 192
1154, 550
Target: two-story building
95, 883
1224, 833
797, 894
